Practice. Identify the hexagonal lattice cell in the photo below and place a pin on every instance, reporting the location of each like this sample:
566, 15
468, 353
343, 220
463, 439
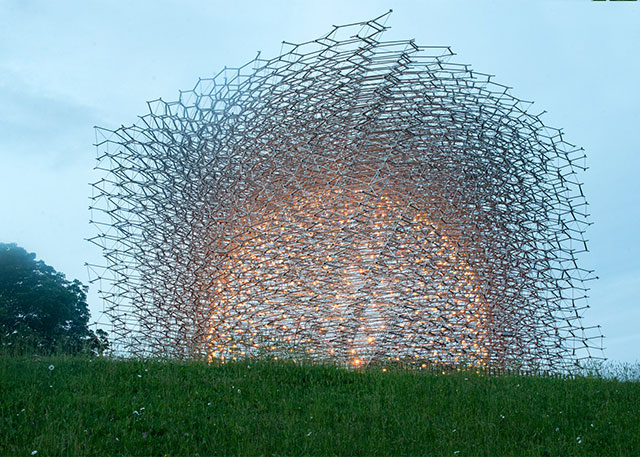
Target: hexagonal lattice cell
352, 200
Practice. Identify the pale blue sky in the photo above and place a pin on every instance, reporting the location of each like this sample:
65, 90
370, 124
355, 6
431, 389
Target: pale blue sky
66, 66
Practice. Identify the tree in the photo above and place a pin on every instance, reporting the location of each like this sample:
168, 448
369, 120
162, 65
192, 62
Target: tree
40, 308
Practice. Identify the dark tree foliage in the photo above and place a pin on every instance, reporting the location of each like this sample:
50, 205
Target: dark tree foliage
40, 308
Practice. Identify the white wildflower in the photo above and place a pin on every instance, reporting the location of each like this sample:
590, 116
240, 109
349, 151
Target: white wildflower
51, 367
34, 452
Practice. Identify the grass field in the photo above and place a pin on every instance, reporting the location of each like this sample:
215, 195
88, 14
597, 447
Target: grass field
81, 406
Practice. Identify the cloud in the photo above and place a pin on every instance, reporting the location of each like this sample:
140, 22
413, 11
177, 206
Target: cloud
43, 127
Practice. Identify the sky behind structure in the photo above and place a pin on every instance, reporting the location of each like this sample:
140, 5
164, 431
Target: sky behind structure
67, 66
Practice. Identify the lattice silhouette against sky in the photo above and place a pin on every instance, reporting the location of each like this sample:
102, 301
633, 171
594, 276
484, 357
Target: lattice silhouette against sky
354, 200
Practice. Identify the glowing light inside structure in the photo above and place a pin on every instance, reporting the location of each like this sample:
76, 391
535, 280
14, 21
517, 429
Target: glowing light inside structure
296, 278
352, 200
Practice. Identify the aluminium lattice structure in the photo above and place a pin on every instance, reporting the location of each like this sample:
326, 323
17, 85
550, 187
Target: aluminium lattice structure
354, 200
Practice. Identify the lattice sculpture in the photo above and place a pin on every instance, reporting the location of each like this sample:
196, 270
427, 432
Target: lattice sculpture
353, 200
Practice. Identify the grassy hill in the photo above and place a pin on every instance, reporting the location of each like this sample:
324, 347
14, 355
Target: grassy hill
79, 406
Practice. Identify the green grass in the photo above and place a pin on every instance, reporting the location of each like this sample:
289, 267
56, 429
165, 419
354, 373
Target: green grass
110, 407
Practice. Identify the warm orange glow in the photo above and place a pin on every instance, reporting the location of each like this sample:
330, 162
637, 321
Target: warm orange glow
294, 282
